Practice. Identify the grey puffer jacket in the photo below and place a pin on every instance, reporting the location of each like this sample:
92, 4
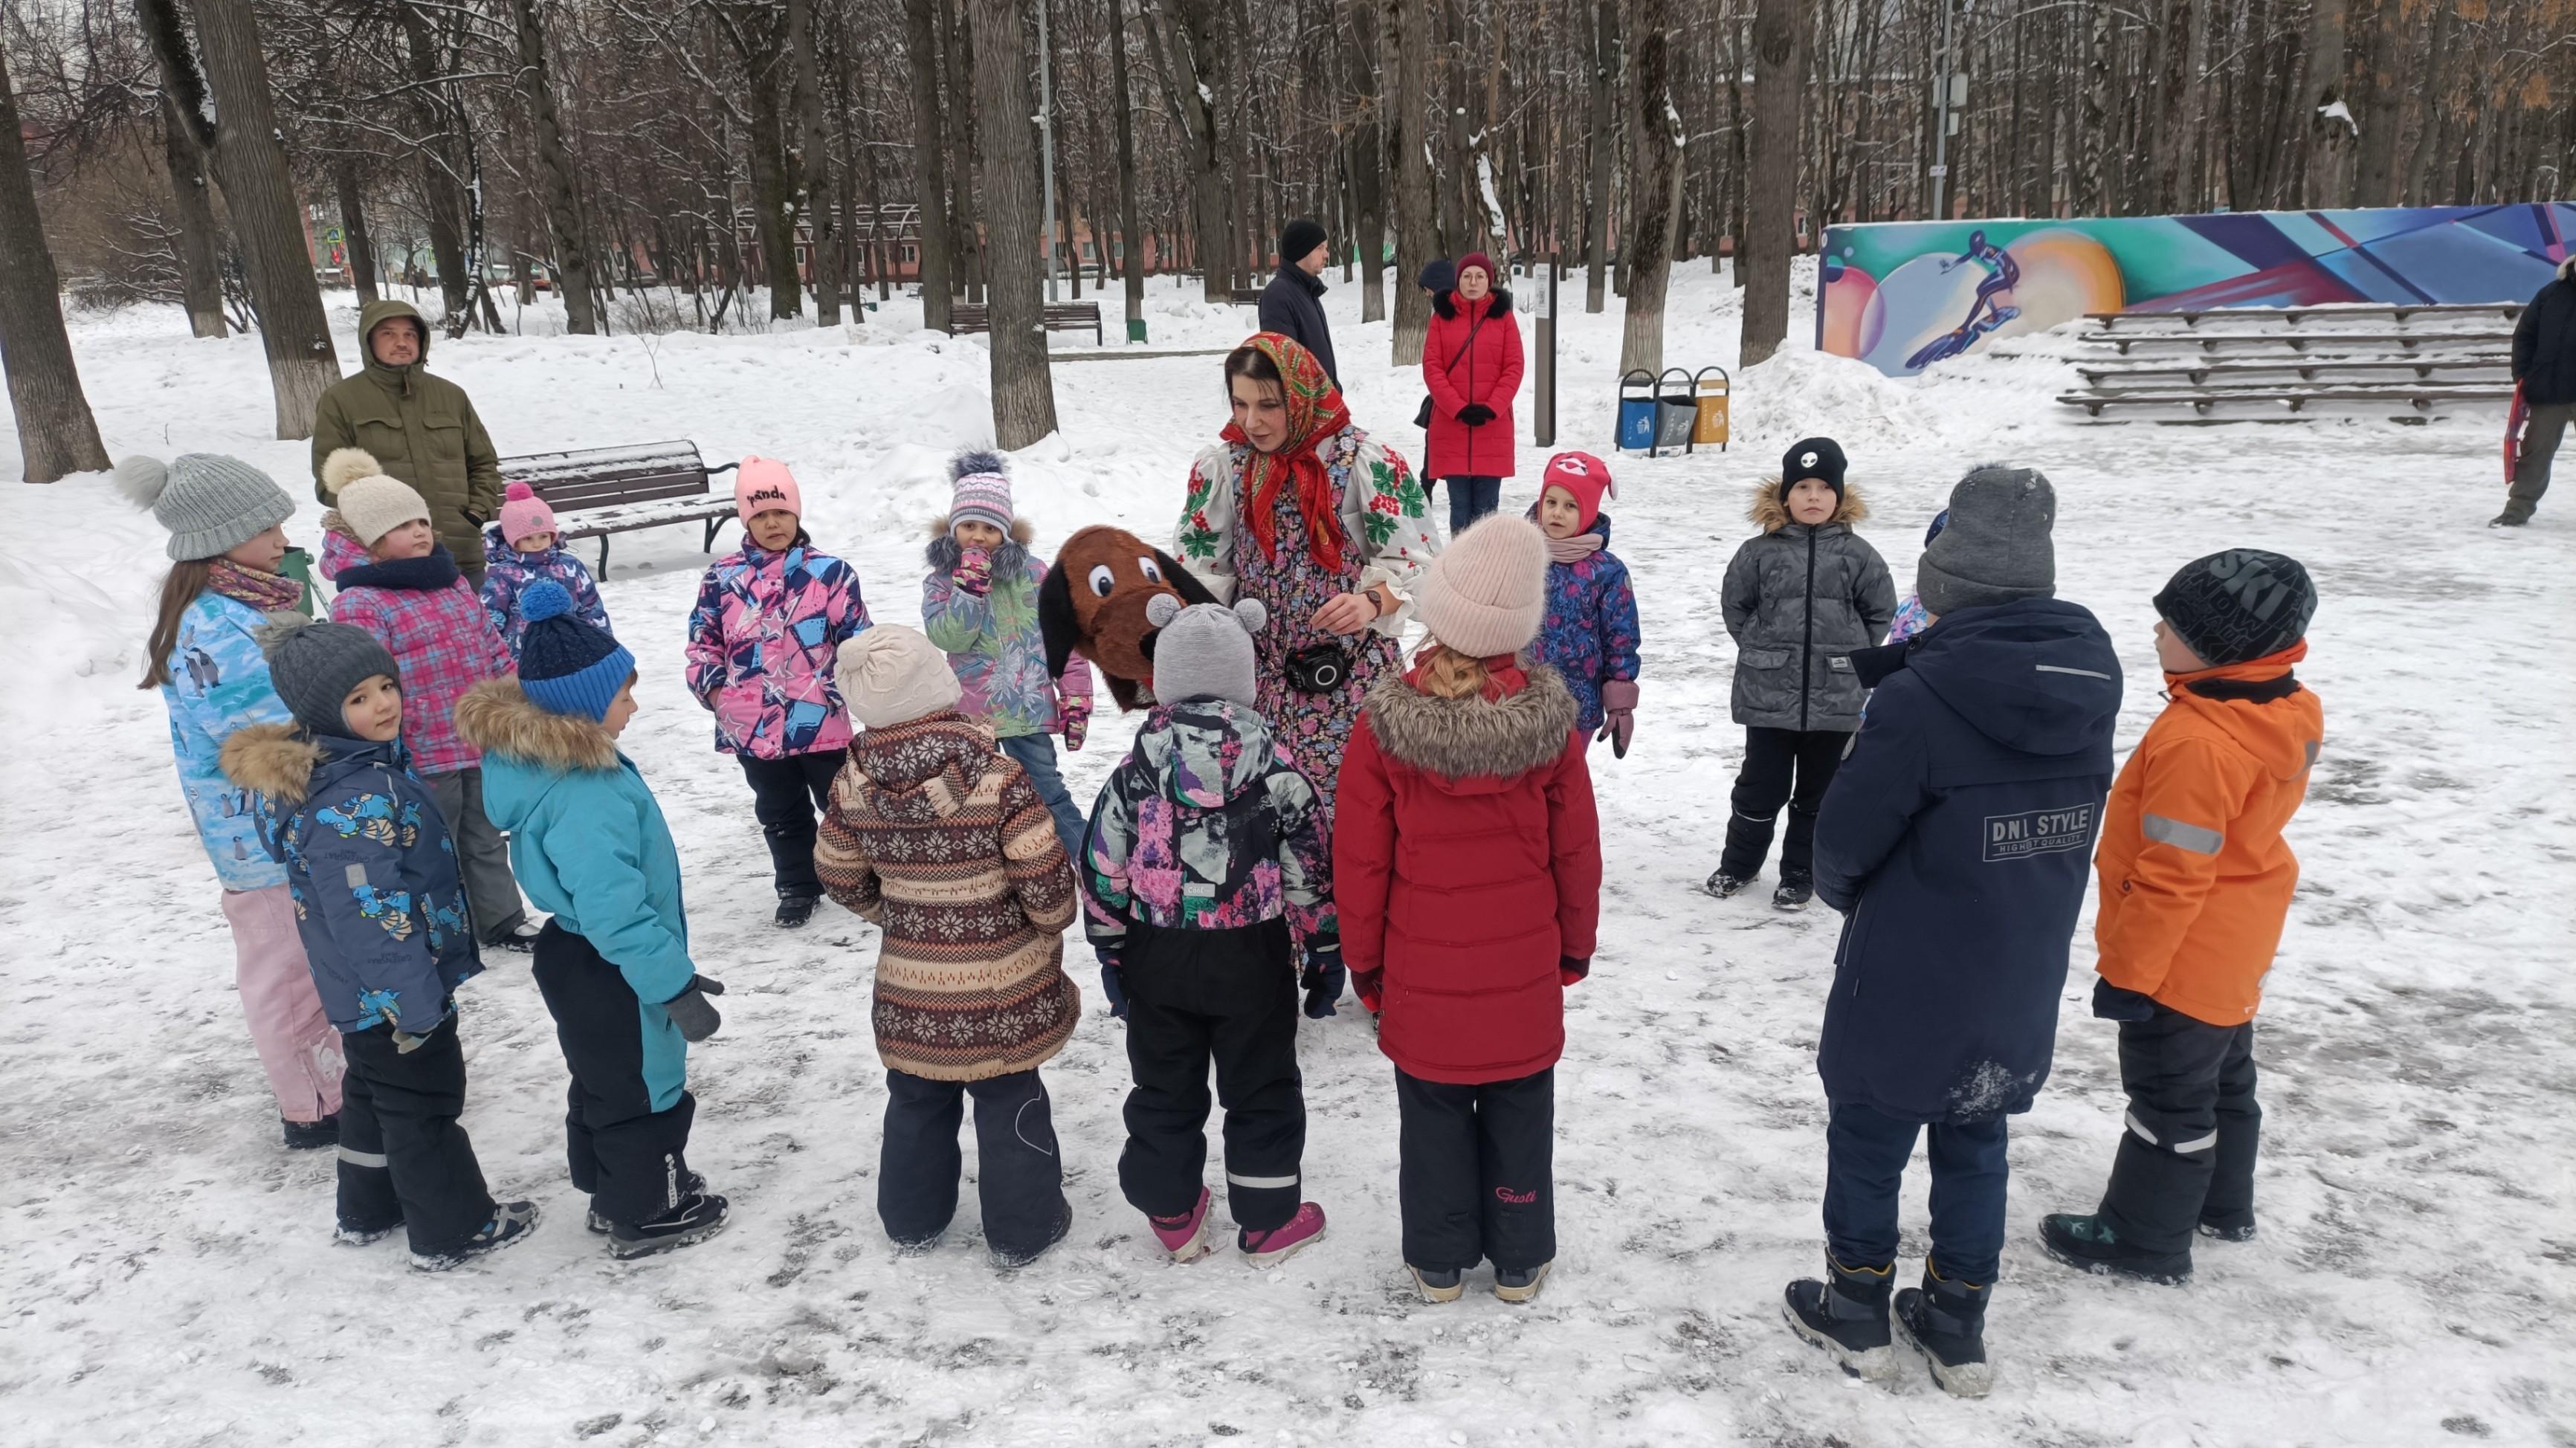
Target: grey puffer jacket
1798, 601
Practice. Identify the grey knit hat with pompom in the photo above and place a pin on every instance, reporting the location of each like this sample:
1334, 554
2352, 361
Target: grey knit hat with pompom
210, 503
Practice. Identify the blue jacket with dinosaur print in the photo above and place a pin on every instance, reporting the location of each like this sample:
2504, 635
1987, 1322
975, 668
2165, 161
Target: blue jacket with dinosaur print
368, 859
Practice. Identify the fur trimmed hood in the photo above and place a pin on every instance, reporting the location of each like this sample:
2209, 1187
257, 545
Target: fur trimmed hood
1770, 512
276, 760
1008, 559
1475, 738
497, 717
1498, 303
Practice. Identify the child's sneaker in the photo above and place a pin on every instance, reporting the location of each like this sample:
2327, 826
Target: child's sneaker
598, 1221
1794, 893
1846, 1316
1185, 1237
311, 1135
510, 1225
700, 1215
2091, 1244
1516, 1286
1724, 886
1260, 1249
1445, 1285
794, 911
1946, 1322
344, 1235
1023, 1256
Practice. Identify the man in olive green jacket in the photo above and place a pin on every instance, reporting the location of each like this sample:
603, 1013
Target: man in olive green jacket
422, 429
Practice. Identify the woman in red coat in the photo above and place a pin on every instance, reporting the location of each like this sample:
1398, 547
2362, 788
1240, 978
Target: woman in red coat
1471, 361
1467, 874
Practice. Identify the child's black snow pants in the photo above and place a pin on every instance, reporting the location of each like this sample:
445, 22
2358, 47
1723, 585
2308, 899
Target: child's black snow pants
1227, 996
403, 1157
627, 1155
1476, 1172
2187, 1155
1019, 1175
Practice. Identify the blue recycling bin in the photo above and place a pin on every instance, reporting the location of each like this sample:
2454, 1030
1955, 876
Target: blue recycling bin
1636, 412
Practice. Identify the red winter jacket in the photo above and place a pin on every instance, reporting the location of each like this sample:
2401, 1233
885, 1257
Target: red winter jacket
1466, 864
1488, 372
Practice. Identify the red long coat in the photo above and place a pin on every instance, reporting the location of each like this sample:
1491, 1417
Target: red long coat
1488, 372
1467, 886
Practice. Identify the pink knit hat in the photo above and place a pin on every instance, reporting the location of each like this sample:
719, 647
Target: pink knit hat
1583, 476
982, 492
524, 513
762, 484
1486, 593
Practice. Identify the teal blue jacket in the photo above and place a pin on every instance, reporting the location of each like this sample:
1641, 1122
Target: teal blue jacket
588, 843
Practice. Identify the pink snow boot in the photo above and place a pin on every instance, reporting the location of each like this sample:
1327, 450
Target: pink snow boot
1261, 1249
1185, 1237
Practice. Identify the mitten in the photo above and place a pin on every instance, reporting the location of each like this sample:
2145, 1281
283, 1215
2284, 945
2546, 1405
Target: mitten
1475, 414
1570, 970
973, 573
1323, 981
2112, 1003
1075, 711
692, 1013
1371, 986
1112, 984
1618, 715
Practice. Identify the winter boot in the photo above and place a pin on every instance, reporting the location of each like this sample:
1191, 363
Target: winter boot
1022, 1256
690, 1185
1445, 1285
700, 1215
794, 911
521, 937
1185, 1237
2228, 1231
1946, 1322
312, 1135
1260, 1249
1794, 892
1723, 885
345, 1235
1518, 1285
1846, 1315
2506, 519
2091, 1244
510, 1225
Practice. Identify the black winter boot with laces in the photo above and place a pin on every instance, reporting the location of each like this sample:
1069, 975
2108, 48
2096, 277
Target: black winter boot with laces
1846, 1315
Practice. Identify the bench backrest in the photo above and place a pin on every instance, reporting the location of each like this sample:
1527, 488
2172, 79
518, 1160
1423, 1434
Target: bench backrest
599, 477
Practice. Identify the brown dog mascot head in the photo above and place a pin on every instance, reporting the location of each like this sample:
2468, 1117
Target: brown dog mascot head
1094, 600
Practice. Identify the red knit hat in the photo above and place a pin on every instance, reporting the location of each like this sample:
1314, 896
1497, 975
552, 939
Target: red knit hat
1584, 476
1481, 262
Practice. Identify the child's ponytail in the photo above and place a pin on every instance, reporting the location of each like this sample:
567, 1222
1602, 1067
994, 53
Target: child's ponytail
1445, 673
187, 579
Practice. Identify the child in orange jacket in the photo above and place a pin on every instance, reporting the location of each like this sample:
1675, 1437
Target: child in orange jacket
2196, 882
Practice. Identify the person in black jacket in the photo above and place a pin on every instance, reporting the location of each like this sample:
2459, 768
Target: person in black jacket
1957, 840
2544, 363
1293, 303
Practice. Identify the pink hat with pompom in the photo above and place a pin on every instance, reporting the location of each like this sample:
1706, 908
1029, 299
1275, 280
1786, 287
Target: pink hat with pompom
762, 484
523, 513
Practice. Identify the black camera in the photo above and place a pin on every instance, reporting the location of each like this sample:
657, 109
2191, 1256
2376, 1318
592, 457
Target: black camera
1320, 669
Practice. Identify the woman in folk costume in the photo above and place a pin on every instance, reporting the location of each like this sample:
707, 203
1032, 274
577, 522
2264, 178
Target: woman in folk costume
1298, 507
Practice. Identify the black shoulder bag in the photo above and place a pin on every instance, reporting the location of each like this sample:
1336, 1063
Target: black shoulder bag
1422, 414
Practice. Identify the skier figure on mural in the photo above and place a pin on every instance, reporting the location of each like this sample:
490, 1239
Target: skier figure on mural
1993, 300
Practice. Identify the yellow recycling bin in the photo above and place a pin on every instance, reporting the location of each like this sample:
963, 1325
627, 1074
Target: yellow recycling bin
1710, 424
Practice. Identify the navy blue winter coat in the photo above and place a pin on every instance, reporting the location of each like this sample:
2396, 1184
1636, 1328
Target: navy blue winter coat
368, 858
1957, 840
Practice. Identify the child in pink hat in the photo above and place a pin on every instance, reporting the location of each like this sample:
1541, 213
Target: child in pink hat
1590, 635
522, 547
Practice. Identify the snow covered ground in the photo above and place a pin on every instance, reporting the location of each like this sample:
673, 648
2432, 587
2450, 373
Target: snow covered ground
168, 1276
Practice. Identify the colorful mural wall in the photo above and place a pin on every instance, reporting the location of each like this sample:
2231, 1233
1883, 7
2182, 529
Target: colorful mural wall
1903, 295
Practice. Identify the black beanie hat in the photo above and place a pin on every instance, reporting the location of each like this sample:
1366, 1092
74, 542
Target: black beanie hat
313, 666
1438, 274
1298, 238
1820, 458
2237, 606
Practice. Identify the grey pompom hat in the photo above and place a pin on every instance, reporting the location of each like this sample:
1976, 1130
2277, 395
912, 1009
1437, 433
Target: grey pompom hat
210, 503
1204, 650
1996, 547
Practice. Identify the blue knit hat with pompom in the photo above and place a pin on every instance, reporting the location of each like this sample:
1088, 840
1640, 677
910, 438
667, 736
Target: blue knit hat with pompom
567, 666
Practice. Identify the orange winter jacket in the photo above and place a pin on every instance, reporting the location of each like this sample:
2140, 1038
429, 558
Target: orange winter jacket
2196, 879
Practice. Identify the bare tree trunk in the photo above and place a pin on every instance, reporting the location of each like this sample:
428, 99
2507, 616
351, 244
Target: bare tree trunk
1365, 155
2380, 107
56, 434
1023, 385
1655, 132
814, 164
251, 163
353, 229
929, 164
2321, 89
1189, 64
1131, 266
200, 241
439, 197
1762, 253
555, 178
775, 184
1413, 239
1602, 145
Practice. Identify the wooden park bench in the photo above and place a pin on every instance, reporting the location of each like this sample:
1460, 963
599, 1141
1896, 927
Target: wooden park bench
2293, 316
966, 317
1247, 296
2200, 400
602, 490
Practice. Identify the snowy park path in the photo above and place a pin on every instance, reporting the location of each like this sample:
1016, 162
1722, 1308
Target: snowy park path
167, 1271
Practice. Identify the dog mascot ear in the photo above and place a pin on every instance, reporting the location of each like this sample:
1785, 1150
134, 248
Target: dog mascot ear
1094, 602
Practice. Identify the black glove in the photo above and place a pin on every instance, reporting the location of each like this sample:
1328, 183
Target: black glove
1323, 981
692, 1013
1112, 984
1475, 414
1570, 970
2112, 1003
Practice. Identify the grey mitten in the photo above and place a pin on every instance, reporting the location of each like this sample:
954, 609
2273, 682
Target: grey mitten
692, 1013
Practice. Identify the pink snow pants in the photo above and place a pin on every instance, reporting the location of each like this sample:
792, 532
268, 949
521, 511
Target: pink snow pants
296, 1043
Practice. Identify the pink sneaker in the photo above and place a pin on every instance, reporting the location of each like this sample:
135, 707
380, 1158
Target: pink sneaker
1185, 1236
1261, 1249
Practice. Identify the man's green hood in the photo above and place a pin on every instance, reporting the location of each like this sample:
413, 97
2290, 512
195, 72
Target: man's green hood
375, 314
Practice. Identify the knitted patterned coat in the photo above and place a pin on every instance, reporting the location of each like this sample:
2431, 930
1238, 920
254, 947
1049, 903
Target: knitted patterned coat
945, 845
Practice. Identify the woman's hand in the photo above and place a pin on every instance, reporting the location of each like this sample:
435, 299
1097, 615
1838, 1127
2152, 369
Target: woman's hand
1347, 613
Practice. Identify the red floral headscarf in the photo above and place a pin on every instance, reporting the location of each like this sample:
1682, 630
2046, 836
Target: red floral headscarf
1315, 412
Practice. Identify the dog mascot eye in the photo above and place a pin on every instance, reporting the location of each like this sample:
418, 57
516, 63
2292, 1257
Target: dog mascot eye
1152, 573
1102, 583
